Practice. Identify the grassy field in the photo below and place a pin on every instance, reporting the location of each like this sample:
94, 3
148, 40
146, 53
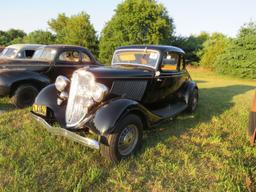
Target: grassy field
205, 151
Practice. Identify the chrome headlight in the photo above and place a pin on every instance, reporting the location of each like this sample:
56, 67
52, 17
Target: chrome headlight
61, 83
84, 92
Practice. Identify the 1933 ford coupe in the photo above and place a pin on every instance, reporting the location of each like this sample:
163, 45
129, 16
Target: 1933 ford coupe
144, 86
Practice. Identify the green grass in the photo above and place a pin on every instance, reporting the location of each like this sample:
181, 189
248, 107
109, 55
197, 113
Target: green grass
205, 151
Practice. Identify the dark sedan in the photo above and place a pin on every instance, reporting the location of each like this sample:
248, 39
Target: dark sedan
22, 79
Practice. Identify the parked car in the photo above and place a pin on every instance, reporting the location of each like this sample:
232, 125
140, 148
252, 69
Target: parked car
19, 51
252, 123
23, 79
144, 86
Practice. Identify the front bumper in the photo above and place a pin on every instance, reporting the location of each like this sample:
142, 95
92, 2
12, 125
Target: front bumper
68, 134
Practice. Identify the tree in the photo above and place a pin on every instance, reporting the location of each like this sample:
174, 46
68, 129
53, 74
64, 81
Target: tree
192, 45
212, 48
11, 36
239, 58
40, 37
135, 22
76, 30
4, 39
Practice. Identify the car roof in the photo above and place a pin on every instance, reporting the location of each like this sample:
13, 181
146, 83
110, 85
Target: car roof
154, 47
25, 46
56, 46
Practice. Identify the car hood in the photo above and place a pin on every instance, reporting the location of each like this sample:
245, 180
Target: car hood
23, 64
121, 72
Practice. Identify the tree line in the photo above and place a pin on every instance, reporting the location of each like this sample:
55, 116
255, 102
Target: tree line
147, 22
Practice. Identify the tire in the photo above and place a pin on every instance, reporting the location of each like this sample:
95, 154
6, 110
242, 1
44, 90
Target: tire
24, 96
193, 101
116, 145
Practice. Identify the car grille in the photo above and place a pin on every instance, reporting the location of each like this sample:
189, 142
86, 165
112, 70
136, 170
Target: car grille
129, 89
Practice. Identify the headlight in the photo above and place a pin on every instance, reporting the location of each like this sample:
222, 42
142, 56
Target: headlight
83, 93
99, 92
61, 83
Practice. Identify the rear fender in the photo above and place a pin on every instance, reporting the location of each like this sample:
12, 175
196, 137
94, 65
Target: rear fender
48, 97
186, 89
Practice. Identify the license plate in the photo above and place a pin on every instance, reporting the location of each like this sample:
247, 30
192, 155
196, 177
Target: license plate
40, 109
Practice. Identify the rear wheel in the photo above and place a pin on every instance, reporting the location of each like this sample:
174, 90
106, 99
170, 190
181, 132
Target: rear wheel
24, 96
193, 101
125, 140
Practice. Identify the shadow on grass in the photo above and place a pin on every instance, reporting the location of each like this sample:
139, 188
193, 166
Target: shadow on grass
212, 102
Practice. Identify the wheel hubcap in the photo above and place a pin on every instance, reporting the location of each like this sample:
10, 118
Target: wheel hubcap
128, 140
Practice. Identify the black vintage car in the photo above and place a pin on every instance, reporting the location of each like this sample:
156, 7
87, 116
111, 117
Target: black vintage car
144, 86
22, 79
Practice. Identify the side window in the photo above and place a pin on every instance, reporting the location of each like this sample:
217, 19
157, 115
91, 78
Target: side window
29, 53
85, 58
70, 56
170, 62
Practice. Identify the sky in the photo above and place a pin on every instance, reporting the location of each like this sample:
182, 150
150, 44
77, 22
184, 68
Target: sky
190, 17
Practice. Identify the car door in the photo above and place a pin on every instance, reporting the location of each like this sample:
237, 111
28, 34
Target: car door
67, 62
171, 75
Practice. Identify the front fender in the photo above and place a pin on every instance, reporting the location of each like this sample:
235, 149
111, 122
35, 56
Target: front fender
48, 97
106, 117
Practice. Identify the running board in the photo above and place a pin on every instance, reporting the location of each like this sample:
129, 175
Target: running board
171, 110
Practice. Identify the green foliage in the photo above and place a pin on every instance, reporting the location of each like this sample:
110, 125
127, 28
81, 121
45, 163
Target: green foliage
239, 58
212, 48
11, 36
192, 45
40, 37
75, 30
135, 22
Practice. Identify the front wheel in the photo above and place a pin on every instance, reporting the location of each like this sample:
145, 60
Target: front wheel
24, 96
125, 140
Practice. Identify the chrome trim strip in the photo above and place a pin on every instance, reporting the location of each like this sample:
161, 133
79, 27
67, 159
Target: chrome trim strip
68, 134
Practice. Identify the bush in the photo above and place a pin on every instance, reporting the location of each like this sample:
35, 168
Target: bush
239, 58
40, 37
212, 48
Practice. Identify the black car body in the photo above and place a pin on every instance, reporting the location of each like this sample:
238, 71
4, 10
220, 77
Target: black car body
22, 79
144, 86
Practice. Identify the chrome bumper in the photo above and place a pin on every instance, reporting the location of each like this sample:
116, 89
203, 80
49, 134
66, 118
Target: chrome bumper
68, 134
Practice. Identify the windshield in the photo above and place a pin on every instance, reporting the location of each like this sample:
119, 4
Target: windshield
9, 52
46, 54
137, 57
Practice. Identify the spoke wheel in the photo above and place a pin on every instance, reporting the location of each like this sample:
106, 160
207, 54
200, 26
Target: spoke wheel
125, 139
128, 139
